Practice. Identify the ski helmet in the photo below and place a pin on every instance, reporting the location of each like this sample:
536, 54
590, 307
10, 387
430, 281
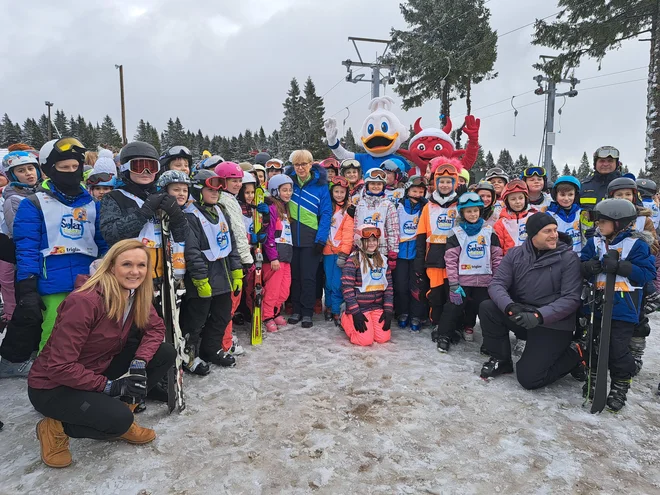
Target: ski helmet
276, 182
104, 172
259, 167
469, 200
445, 170
211, 162
534, 171
173, 177
619, 211
331, 162
567, 179
57, 150
376, 175
515, 186
137, 149
176, 152
465, 174
201, 179
607, 152
17, 159
621, 183
274, 163
350, 163
391, 166
484, 185
229, 170
261, 158
647, 187
246, 166
496, 173
248, 178
416, 181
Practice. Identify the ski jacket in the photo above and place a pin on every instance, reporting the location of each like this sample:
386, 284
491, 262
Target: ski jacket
430, 248
627, 305
340, 239
542, 203
84, 342
12, 196
405, 208
232, 210
453, 256
520, 219
198, 267
594, 189
645, 218
310, 209
367, 210
360, 302
552, 283
55, 273
277, 245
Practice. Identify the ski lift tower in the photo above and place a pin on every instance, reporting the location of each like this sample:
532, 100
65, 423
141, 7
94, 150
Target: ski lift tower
376, 77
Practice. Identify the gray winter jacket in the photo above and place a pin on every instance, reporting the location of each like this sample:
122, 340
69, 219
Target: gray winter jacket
13, 195
551, 283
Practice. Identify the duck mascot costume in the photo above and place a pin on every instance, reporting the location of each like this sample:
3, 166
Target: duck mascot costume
431, 143
382, 135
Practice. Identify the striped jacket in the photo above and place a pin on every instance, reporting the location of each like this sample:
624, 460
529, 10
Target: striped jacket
360, 302
310, 209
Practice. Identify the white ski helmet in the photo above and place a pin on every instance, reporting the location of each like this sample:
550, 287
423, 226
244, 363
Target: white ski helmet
248, 178
276, 182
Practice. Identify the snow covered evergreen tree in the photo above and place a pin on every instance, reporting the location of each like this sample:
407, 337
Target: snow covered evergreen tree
314, 111
108, 136
349, 141
61, 125
585, 168
294, 125
32, 134
505, 162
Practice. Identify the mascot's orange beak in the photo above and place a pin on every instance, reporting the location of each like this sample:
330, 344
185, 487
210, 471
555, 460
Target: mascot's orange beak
380, 142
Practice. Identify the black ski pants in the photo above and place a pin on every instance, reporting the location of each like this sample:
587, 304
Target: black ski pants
547, 356
405, 282
205, 320
304, 268
621, 362
86, 414
455, 315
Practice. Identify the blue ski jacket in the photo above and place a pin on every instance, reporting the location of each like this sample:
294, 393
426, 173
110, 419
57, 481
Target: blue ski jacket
310, 209
408, 249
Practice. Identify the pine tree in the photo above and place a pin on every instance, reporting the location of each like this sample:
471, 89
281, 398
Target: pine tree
262, 140
554, 173
8, 133
442, 30
152, 137
349, 141
578, 32
61, 124
32, 134
505, 162
567, 170
248, 142
490, 161
274, 145
294, 125
478, 170
43, 127
73, 128
108, 136
81, 129
141, 132
519, 166
314, 112
584, 170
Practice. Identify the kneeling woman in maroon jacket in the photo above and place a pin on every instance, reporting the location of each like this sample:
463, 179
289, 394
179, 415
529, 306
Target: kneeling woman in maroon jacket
107, 344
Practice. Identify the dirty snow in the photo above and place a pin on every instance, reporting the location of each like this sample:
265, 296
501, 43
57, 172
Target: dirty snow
307, 412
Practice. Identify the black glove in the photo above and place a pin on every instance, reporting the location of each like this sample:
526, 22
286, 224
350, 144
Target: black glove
591, 267
318, 248
169, 205
527, 320
610, 265
589, 233
351, 211
133, 385
513, 309
625, 268
386, 319
151, 204
28, 299
360, 322
247, 267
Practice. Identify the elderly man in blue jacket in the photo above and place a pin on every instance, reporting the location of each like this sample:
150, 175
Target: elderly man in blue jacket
535, 293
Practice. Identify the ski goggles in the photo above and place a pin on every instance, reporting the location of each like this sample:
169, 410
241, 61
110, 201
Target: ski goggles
607, 152
377, 173
350, 163
69, 144
92, 180
417, 180
339, 181
367, 232
276, 164
534, 172
215, 183
142, 165
179, 150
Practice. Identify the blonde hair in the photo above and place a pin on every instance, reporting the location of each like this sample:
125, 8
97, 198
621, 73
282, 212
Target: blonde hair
114, 299
301, 156
361, 257
91, 157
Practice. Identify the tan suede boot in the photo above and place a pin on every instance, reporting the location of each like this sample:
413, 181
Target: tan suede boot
136, 434
54, 443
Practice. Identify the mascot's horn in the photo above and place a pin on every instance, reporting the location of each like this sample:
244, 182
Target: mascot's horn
418, 126
447, 129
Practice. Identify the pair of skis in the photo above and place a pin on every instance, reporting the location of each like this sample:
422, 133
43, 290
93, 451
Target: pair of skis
600, 387
257, 324
171, 303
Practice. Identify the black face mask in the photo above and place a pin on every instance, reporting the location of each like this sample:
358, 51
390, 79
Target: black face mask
67, 182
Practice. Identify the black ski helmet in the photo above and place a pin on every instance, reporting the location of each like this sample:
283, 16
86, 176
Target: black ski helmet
198, 181
176, 152
621, 183
137, 149
261, 158
647, 187
485, 185
620, 211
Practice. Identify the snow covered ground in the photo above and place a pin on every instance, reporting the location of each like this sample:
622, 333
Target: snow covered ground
307, 412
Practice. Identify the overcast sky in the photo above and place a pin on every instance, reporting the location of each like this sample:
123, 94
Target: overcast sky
224, 66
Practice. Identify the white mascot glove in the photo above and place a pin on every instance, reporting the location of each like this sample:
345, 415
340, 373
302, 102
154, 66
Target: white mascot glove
331, 131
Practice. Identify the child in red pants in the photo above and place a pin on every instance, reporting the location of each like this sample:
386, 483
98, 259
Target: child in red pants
278, 251
367, 287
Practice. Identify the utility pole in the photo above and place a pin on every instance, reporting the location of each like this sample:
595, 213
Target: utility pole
123, 108
50, 132
551, 90
376, 78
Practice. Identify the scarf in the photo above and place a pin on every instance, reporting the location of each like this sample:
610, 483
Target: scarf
472, 229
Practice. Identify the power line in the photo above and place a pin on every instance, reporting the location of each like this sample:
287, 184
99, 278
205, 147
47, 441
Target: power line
351, 104
614, 73
614, 84
507, 111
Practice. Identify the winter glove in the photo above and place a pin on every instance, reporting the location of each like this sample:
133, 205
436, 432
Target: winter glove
129, 385
652, 303
341, 259
527, 320
247, 268
515, 308
391, 260
151, 204
318, 248
138, 367
236, 281
203, 287
351, 211
263, 209
456, 294
625, 268
386, 320
29, 300
169, 205
610, 265
360, 322
259, 238
591, 267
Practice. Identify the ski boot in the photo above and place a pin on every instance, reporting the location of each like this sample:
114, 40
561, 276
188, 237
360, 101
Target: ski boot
494, 367
295, 318
617, 396
238, 319
222, 358
415, 325
434, 333
307, 322
468, 334
271, 326
337, 320
235, 349
637, 346
444, 343
589, 386
194, 364
580, 370
403, 320
328, 314
456, 336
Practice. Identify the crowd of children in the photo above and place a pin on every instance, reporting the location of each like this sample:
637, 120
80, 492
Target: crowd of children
404, 249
